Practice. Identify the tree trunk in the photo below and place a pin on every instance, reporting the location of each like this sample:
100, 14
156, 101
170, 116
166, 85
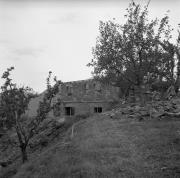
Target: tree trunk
24, 153
141, 94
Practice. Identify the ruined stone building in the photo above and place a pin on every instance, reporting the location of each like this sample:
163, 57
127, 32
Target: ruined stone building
83, 97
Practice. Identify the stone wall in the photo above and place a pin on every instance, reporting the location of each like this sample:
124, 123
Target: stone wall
86, 95
87, 90
84, 108
83, 96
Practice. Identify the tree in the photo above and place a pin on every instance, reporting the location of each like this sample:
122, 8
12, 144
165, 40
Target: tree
135, 50
177, 51
14, 103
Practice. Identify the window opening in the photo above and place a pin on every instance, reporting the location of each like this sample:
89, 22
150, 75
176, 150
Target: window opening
98, 109
69, 111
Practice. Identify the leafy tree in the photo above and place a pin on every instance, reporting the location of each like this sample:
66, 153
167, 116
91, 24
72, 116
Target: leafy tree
134, 51
14, 103
177, 51
171, 57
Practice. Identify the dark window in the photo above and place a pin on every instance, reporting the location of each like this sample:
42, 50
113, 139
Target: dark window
69, 90
86, 86
69, 111
98, 109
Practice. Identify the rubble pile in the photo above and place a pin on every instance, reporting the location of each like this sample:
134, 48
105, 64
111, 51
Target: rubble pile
150, 110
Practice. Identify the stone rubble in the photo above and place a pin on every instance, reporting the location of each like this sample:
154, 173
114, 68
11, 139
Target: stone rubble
150, 110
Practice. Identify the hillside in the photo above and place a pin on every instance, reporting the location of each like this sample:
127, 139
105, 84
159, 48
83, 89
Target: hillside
104, 147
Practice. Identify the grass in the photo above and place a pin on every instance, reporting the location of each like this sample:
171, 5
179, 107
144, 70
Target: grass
102, 147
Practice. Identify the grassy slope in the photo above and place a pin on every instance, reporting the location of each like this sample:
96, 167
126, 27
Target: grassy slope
102, 147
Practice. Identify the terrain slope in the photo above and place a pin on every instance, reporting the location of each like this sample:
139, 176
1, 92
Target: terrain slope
102, 147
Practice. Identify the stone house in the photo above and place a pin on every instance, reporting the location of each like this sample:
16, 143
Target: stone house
84, 97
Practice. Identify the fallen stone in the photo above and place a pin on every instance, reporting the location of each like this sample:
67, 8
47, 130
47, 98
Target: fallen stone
5, 163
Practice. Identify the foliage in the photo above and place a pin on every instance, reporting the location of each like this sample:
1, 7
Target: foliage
14, 100
14, 103
177, 51
139, 49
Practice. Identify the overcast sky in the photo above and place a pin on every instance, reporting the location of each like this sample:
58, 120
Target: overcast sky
38, 36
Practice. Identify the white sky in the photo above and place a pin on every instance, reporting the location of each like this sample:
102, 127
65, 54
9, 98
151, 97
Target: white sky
36, 37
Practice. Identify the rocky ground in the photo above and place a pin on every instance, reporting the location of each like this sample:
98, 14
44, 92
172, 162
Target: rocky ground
150, 110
